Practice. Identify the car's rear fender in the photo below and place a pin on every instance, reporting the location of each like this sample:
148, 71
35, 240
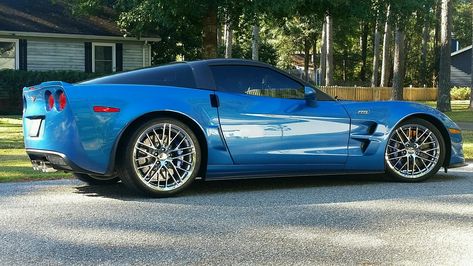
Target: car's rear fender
58, 133
104, 129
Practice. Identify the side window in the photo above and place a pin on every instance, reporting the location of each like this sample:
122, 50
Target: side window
258, 81
177, 75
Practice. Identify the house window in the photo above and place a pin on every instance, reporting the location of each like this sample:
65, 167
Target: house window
8, 54
103, 57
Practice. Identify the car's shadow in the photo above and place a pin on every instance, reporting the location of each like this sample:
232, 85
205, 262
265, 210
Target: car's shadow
293, 190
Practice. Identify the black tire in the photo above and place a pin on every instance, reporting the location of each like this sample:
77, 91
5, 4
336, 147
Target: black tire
434, 168
130, 175
96, 180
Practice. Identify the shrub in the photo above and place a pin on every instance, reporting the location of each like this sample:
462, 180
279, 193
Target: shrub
13, 81
460, 93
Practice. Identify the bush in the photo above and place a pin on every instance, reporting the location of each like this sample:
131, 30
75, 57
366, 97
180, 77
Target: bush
13, 81
460, 93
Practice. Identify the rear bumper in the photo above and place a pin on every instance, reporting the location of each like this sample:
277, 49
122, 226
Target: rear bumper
50, 161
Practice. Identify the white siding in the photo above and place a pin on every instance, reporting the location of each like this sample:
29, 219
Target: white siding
132, 56
44, 55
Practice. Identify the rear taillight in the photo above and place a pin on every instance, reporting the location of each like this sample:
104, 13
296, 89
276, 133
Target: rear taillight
62, 100
49, 100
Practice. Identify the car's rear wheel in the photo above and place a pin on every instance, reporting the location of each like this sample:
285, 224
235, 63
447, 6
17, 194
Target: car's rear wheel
415, 151
161, 158
97, 180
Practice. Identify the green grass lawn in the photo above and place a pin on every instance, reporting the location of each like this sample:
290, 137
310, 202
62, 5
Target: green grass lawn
459, 113
15, 164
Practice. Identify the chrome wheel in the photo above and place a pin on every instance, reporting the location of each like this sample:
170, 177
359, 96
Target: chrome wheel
164, 157
413, 151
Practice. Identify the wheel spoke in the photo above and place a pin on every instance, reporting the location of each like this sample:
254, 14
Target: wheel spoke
175, 136
426, 138
177, 172
404, 133
147, 146
143, 151
182, 155
167, 170
425, 153
400, 156
181, 149
150, 141
412, 151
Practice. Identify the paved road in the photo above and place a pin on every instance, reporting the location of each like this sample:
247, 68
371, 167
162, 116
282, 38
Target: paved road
319, 220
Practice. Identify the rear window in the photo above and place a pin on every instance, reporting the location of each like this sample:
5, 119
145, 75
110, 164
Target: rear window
177, 75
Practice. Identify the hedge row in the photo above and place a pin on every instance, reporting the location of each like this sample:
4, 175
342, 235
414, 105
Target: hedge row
13, 81
460, 93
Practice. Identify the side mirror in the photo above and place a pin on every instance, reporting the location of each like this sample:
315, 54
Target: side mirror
310, 96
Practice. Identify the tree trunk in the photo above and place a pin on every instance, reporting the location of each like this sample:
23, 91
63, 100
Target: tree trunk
220, 36
386, 66
329, 66
323, 55
443, 98
425, 42
314, 57
436, 61
399, 57
209, 33
306, 59
377, 37
471, 87
228, 40
255, 43
364, 50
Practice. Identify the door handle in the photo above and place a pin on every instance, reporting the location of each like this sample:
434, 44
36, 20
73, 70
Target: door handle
214, 101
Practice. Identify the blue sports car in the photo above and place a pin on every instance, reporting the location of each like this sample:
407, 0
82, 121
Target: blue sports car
158, 129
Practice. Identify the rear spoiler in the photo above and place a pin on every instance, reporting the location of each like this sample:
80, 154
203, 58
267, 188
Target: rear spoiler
46, 84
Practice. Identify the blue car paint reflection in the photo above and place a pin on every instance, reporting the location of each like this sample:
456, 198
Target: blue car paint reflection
246, 135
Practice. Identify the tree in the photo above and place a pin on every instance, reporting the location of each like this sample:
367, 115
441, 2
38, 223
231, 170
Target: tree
425, 42
443, 98
329, 38
399, 59
255, 40
462, 21
307, 46
228, 39
364, 49
377, 37
386, 66
323, 55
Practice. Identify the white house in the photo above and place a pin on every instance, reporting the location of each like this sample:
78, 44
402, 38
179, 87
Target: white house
44, 35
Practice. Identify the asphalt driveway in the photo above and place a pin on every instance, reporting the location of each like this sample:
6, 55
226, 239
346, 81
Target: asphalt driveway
318, 220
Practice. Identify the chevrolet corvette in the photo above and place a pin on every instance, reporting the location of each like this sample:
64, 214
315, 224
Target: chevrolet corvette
157, 129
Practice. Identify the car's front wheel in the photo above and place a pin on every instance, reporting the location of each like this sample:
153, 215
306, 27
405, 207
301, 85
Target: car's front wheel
162, 157
415, 151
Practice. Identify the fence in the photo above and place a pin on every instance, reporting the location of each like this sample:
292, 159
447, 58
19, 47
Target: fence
379, 93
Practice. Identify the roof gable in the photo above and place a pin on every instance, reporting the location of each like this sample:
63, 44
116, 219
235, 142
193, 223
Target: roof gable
47, 16
461, 51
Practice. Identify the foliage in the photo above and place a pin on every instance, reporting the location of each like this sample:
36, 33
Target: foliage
460, 93
462, 21
13, 81
287, 25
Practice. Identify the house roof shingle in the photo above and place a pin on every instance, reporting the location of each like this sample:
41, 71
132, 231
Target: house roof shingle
47, 16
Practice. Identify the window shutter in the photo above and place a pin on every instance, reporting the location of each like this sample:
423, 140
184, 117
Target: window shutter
88, 56
23, 62
119, 56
